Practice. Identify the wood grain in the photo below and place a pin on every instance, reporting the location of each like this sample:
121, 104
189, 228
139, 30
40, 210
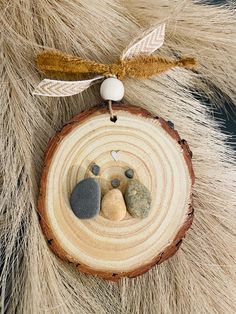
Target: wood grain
161, 161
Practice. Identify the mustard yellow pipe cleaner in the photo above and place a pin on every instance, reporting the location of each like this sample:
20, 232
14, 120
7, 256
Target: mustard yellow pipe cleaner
140, 67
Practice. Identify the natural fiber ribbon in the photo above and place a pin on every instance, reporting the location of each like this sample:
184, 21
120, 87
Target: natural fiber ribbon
136, 62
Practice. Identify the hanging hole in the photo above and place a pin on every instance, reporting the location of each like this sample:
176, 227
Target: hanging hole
113, 119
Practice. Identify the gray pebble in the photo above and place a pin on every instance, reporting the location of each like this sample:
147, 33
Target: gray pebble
115, 183
95, 169
138, 199
171, 124
129, 173
85, 198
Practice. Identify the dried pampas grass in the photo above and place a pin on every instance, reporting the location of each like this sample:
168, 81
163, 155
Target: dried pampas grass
201, 278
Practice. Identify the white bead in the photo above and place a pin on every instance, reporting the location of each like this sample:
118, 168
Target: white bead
112, 89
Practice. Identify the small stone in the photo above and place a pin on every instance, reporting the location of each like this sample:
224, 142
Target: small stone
95, 169
171, 124
115, 183
113, 205
138, 199
85, 198
129, 173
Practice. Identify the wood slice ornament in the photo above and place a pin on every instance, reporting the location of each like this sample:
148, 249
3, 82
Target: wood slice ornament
161, 161
118, 142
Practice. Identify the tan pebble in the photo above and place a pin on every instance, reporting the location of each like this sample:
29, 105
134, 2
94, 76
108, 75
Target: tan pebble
113, 205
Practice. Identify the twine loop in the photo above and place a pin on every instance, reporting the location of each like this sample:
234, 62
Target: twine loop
113, 117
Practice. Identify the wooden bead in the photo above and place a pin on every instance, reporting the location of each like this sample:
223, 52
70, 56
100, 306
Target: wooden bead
113, 205
112, 89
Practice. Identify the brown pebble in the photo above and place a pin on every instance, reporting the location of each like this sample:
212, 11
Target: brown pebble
113, 205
